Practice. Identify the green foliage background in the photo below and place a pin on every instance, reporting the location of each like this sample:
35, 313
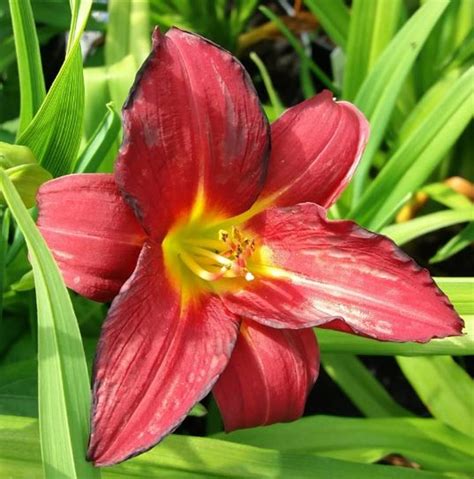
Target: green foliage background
407, 65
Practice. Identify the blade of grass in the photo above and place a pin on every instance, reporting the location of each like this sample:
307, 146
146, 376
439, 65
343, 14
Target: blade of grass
100, 143
54, 134
181, 457
413, 162
267, 81
32, 89
404, 232
427, 442
64, 392
378, 94
336, 342
372, 26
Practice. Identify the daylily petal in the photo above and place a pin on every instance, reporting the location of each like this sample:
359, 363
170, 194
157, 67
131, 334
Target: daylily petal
93, 234
195, 137
316, 147
269, 376
315, 271
156, 358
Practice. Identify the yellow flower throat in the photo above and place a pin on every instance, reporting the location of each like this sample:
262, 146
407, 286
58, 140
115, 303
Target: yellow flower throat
215, 256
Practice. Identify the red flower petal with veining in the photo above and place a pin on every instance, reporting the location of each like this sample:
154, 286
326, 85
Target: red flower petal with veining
268, 377
316, 146
320, 270
156, 358
194, 134
94, 236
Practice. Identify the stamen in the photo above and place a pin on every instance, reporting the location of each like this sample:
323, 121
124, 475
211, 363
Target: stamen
200, 271
227, 257
209, 254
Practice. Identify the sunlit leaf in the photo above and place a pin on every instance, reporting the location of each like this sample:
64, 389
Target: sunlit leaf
181, 457
32, 89
379, 92
412, 163
64, 394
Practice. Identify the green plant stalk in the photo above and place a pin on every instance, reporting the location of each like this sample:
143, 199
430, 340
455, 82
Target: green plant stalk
63, 382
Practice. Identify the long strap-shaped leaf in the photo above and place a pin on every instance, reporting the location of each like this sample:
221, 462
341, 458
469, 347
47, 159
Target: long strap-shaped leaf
54, 135
32, 89
404, 232
373, 24
418, 156
184, 457
64, 392
428, 442
379, 92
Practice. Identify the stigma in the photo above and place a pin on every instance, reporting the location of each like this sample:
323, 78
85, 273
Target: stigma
225, 256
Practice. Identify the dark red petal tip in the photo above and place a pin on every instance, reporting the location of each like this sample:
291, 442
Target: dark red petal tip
155, 360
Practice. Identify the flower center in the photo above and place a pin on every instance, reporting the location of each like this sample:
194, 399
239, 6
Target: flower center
216, 256
223, 257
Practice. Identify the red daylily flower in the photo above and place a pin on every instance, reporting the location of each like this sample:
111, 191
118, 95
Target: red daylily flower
218, 254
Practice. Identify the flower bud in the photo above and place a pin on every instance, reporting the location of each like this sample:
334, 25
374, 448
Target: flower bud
25, 173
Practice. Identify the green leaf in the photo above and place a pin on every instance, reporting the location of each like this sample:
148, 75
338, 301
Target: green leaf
4, 236
445, 388
413, 162
451, 32
101, 142
334, 18
54, 134
128, 31
445, 195
455, 244
378, 94
409, 230
428, 102
181, 457
427, 442
362, 388
337, 342
64, 394
267, 81
106, 84
373, 24
32, 89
